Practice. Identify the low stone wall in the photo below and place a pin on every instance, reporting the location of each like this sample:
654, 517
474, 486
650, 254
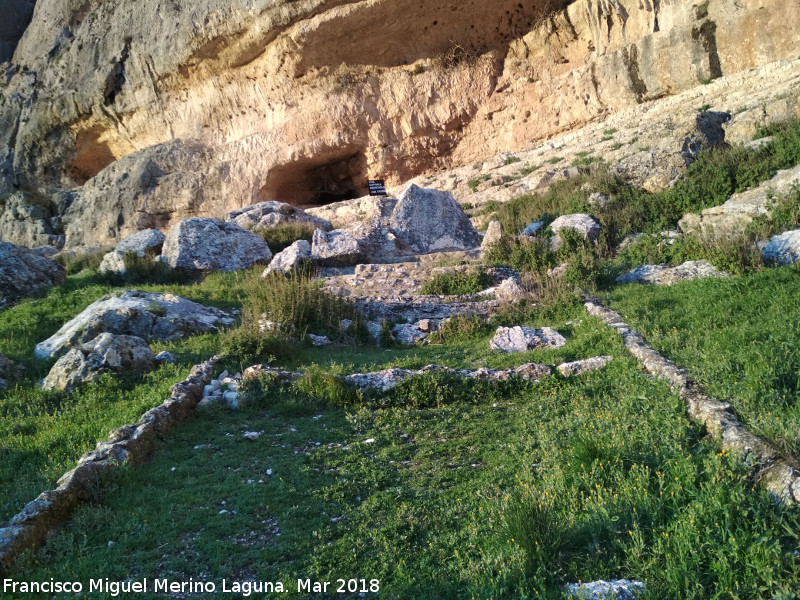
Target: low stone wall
130, 444
771, 470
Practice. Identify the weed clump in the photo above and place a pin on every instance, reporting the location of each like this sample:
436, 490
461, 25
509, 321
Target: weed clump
280, 237
457, 284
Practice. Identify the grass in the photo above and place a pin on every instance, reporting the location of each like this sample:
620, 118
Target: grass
739, 337
443, 488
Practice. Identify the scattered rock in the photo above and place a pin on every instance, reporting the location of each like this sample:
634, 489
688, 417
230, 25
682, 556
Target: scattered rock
432, 221
290, 258
24, 272
319, 341
620, 589
272, 214
522, 339
531, 229
106, 352
666, 275
494, 233
146, 315
783, 249
212, 245
583, 224
144, 243
165, 358
579, 367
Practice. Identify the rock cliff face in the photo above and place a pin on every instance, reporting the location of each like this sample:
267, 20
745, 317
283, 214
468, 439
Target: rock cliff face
119, 116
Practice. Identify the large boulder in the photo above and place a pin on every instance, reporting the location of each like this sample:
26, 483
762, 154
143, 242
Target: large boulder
666, 275
146, 243
272, 214
586, 226
24, 272
363, 243
142, 314
783, 249
105, 353
432, 221
522, 339
213, 245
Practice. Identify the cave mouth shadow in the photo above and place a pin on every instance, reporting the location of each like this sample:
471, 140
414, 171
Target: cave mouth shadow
312, 182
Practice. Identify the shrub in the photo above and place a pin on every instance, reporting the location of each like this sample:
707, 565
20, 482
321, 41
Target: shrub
280, 237
146, 270
463, 283
463, 328
87, 260
326, 384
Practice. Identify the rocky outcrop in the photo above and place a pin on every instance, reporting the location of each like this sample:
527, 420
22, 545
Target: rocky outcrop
251, 101
213, 245
783, 249
732, 218
150, 316
147, 243
272, 214
666, 275
24, 272
522, 339
290, 258
107, 353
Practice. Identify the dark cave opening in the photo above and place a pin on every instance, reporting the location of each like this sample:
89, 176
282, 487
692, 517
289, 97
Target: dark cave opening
316, 182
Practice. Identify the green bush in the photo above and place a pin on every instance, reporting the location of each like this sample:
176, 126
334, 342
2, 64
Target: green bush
457, 284
280, 237
326, 384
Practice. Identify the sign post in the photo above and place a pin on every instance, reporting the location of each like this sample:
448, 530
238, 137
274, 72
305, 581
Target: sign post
377, 187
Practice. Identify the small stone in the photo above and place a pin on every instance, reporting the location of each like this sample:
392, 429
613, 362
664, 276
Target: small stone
586, 365
369, 441
620, 589
522, 339
269, 472
599, 200
424, 325
531, 229
406, 333
319, 341
252, 435
165, 358
493, 235
666, 275
509, 291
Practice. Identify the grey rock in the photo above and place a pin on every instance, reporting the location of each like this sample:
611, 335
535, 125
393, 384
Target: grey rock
319, 341
362, 243
290, 258
533, 228
146, 243
522, 339
666, 275
46, 251
579, 367
406, 333
494, 233
105, 353
146, 315
509, 291
432, 221
24, 272
213, 245
783, 249
272, 214
533, 371
619, 589
165, 358
374, 329
582, 223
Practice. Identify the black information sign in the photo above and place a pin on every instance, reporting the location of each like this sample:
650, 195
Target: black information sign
377, 187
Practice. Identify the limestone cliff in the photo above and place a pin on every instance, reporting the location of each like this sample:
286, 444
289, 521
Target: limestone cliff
117, 116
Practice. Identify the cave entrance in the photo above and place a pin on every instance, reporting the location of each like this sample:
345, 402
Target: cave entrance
311, 182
